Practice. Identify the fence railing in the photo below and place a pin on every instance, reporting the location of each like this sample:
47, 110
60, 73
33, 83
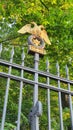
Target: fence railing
53, 111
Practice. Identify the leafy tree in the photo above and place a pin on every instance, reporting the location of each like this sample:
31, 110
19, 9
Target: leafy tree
56, 16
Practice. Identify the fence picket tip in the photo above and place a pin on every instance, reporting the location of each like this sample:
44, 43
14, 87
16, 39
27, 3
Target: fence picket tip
23, 54
47, 64
67, 71
0, 49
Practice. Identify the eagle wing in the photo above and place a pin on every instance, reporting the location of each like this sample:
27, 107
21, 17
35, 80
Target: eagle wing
36, 30
44, 36
25, 29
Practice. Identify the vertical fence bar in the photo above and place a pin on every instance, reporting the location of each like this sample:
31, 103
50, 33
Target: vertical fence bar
59, 98
70, 99
36, 78
7, 91
20, 95
48, 98
35, 124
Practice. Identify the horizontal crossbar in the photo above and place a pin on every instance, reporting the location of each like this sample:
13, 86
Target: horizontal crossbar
31, 70
45, 86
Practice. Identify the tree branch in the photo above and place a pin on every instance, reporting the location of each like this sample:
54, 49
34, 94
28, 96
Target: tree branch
44, 5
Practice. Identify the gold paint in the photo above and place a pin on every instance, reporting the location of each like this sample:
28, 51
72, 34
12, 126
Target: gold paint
36, 30
37, 49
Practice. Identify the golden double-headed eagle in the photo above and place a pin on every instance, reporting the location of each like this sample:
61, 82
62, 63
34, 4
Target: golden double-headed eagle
37, 30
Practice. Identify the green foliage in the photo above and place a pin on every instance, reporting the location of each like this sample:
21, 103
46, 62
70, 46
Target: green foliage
66, 117
56, 16
9, 126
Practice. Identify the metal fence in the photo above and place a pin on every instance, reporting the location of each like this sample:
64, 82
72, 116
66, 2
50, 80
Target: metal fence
57, 96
